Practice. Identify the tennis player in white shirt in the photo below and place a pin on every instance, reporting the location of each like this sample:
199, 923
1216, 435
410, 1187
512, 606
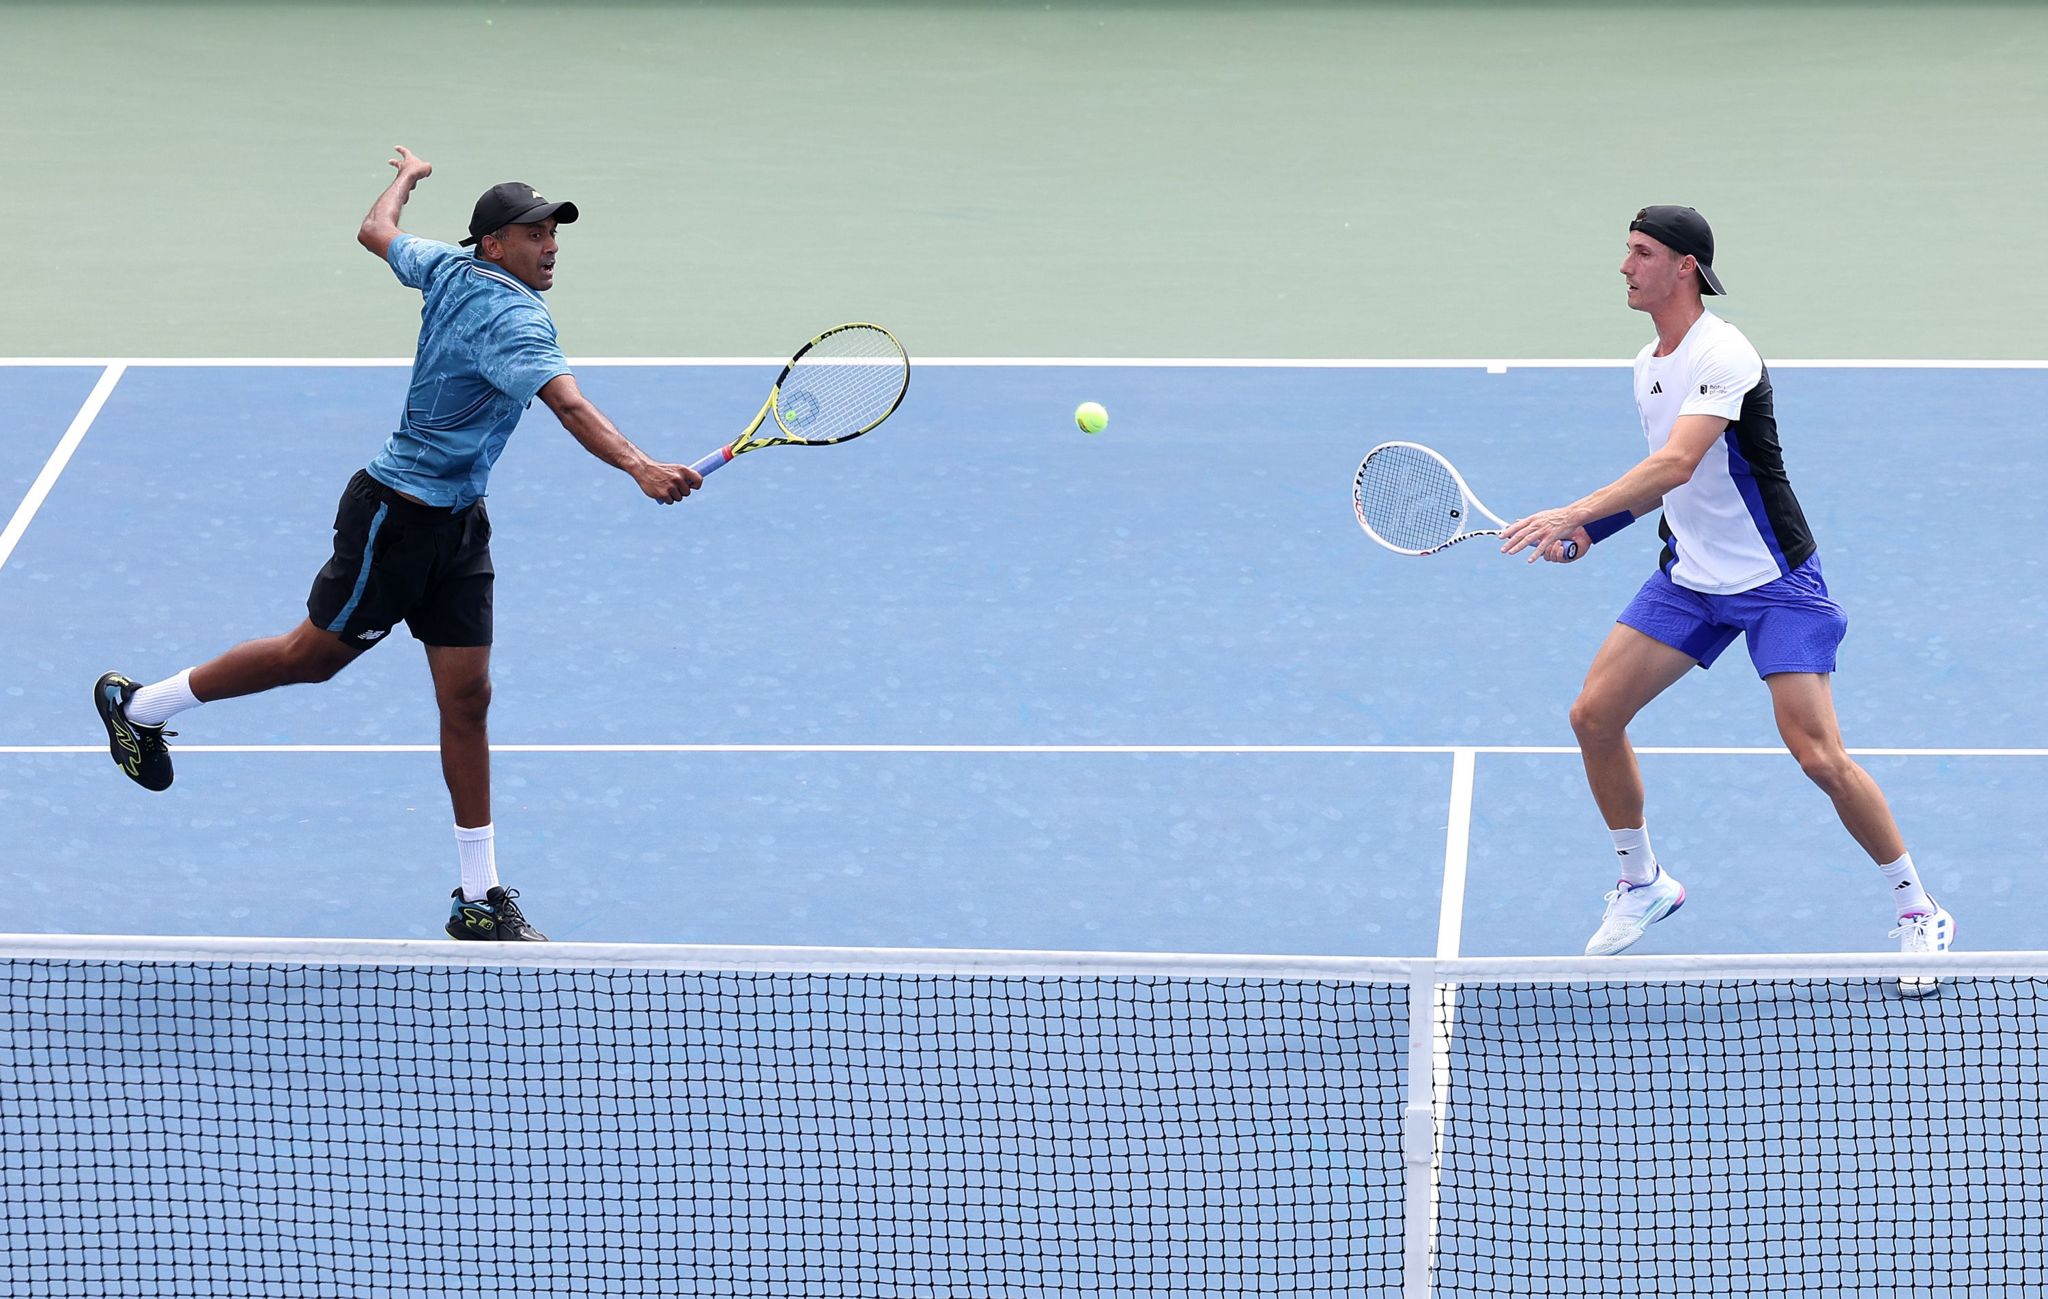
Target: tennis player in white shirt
1737, 559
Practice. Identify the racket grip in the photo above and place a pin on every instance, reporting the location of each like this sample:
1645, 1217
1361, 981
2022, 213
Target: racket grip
1571, 550
712, 461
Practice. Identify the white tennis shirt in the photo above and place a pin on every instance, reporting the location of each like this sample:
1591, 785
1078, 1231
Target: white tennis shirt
1736, 524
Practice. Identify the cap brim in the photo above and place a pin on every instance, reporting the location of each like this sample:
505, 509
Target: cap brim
1710, 283
539, 212
563, 212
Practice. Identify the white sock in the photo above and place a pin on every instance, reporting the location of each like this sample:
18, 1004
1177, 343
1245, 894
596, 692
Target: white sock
477, 847
1632, 847
1907, 893
157, 704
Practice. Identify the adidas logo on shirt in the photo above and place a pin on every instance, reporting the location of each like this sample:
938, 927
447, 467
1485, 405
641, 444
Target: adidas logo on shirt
1656, 388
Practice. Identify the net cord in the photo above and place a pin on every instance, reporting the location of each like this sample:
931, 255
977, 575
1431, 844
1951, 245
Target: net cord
1000, 962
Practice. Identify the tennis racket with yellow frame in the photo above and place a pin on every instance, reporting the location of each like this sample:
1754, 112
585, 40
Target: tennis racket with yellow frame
841, 384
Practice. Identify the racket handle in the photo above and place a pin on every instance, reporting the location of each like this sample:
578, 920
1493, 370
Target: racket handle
712, 461
1571, 550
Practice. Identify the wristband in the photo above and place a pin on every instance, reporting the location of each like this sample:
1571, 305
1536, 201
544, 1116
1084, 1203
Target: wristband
1602, 529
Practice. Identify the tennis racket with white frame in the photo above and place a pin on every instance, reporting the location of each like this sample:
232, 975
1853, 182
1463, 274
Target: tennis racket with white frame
1413, 501
841, 384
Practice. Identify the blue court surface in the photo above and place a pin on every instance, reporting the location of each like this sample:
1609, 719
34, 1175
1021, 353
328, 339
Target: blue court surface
982, 680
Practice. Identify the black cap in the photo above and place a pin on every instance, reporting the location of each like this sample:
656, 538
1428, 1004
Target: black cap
514, 203
1684, 231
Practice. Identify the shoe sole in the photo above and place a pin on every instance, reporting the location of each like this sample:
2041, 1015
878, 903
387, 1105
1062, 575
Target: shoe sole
537, 937
1666, 914
461, 933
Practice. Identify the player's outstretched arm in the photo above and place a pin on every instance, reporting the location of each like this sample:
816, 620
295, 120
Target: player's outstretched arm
601, 438
1635, 493
381, 226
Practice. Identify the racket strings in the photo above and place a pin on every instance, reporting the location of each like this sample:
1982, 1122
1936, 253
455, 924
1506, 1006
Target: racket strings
1410, 498
845, 383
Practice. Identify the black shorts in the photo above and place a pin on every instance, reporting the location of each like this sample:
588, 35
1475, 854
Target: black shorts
397, 560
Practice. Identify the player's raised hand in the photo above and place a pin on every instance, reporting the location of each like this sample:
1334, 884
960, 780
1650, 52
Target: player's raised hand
410, 164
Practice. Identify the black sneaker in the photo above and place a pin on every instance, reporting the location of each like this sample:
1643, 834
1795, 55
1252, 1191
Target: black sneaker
138, 750
496, 919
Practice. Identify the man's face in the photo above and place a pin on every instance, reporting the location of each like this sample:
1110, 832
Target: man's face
528, 251
1654, 273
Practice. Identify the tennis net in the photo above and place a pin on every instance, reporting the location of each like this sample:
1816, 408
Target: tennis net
187, 1117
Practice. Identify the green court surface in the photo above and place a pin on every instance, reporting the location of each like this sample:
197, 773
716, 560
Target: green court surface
1041, 179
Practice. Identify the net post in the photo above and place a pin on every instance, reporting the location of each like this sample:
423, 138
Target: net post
1418, 1134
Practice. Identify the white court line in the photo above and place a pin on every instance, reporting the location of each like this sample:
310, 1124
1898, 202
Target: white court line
1450, 921
1443, 998
1419, 1141
54, 466
1249, 750
1492, 365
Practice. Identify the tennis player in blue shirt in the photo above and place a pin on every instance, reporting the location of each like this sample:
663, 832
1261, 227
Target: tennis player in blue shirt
411, 537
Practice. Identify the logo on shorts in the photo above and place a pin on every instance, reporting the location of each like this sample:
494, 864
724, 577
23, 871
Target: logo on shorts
375, 633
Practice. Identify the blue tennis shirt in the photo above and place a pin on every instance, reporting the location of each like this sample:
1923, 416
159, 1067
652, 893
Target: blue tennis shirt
487, 345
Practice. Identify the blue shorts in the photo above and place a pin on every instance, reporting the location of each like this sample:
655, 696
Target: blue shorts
1792, 624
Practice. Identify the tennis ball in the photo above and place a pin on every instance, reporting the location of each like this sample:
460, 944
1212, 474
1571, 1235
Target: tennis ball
1091, 417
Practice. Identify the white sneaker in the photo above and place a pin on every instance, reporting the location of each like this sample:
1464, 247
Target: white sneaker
1633, 908
1921, 935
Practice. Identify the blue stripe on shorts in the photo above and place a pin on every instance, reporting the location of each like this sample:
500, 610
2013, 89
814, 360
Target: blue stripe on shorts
355, 597
1792, 624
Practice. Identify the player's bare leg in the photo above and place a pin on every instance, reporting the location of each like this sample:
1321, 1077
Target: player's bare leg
302, 656
1629, 671
482, 908
1805, 706
462, 692
134, 715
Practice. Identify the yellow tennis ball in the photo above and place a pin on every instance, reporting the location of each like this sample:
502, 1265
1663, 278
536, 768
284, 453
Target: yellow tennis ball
1091, 417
